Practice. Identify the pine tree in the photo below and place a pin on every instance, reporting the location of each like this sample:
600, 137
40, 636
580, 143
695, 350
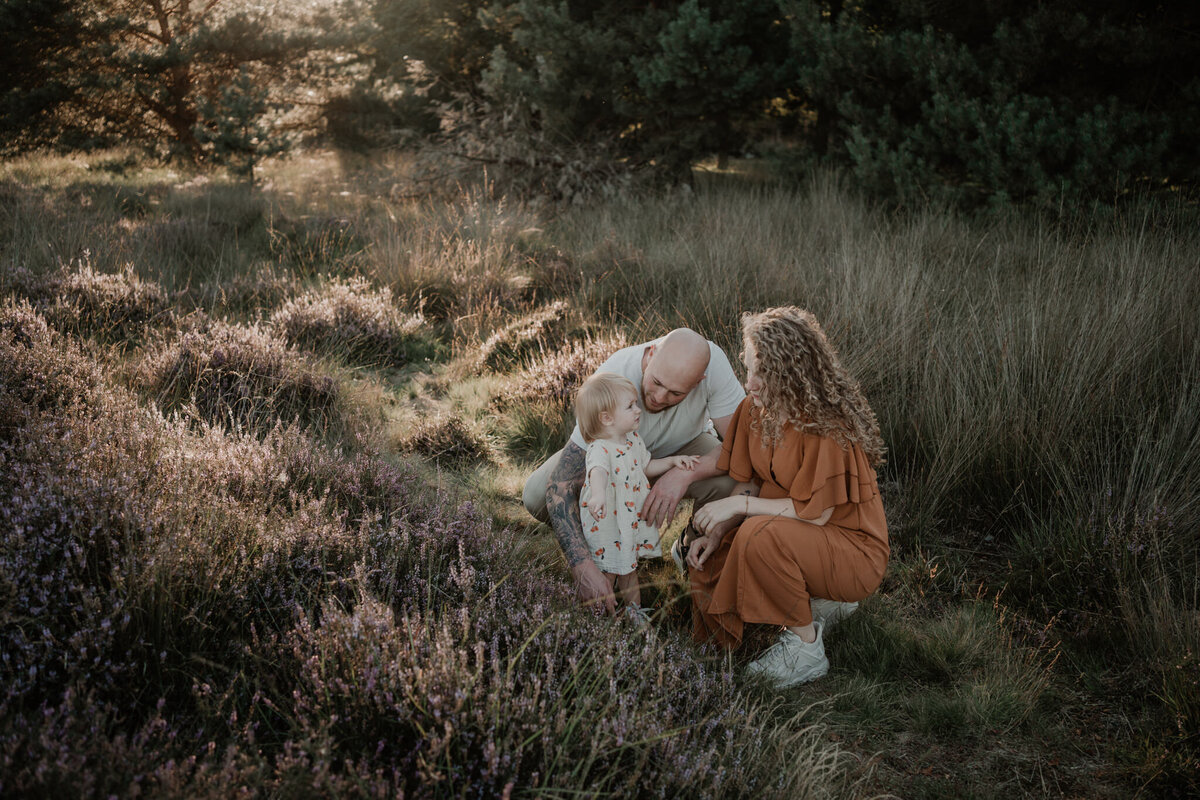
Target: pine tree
100, 72
235, 132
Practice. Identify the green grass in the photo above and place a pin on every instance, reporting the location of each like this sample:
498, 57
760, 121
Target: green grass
1036, 386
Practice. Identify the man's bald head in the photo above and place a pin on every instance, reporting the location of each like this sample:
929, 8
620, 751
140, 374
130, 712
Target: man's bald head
673, 368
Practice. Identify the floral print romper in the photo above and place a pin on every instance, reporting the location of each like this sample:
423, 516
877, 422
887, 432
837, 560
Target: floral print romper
622, 538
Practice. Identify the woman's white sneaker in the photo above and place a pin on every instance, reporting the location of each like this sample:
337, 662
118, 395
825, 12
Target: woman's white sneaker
792, 661
830, 612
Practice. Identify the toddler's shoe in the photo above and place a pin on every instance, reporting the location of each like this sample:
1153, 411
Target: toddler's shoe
830, 612
639, 615
679, 550
792, 661
678, 555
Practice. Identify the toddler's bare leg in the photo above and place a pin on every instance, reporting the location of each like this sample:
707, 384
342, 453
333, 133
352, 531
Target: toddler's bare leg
629, 589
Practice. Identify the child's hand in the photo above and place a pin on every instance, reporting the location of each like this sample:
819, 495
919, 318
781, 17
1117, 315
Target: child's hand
684, 462
596, 506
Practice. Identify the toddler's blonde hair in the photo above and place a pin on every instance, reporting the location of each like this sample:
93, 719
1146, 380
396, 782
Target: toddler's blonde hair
599, 394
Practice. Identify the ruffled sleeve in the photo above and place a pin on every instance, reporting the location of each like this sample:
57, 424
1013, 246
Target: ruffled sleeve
830, 476
735, 450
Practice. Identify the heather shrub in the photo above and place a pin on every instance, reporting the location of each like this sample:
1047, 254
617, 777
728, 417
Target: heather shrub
77, 746
410, 537
240, 375
82, 300
528, 336
557, 376
134, 543
364, 487
511, 691
449, 442
355, 321
42, 373
74, 488
81, 503
137, 559
117, 522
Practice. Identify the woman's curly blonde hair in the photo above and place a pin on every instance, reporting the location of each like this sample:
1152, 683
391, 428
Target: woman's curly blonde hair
804, 383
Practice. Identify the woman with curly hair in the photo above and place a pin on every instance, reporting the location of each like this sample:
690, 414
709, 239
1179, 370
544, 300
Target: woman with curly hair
803, 538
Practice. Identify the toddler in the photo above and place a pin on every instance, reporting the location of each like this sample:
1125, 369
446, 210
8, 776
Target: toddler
618, 465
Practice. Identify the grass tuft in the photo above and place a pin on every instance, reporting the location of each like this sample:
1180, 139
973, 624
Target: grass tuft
260, 290
556, 378
528, 337
534, 431
449, 442
239, 375
315, 244
353, 321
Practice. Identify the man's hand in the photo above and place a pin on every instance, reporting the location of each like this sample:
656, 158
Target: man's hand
593, 589
659, 507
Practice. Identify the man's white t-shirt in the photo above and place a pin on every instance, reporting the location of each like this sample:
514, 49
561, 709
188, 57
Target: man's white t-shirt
716, 396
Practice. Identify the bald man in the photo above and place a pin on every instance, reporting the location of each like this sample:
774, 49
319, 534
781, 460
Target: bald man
685, 383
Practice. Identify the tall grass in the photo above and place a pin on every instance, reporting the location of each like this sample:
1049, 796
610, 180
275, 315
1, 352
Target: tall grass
1011, 365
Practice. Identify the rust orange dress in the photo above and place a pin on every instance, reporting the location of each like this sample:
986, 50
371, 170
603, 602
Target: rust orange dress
765, 570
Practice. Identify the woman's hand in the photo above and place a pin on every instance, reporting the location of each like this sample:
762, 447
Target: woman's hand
700, 549
713, 514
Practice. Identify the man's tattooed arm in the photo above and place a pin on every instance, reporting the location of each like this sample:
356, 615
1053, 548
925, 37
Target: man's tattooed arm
562, 503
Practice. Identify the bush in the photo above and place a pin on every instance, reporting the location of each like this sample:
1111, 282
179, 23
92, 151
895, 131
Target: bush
448, 442
352, 320
557, 377
83, 301
42, 373
576, 100
1066, 105
1052, 106
240, 375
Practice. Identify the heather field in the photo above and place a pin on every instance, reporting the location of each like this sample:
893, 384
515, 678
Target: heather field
262, 449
